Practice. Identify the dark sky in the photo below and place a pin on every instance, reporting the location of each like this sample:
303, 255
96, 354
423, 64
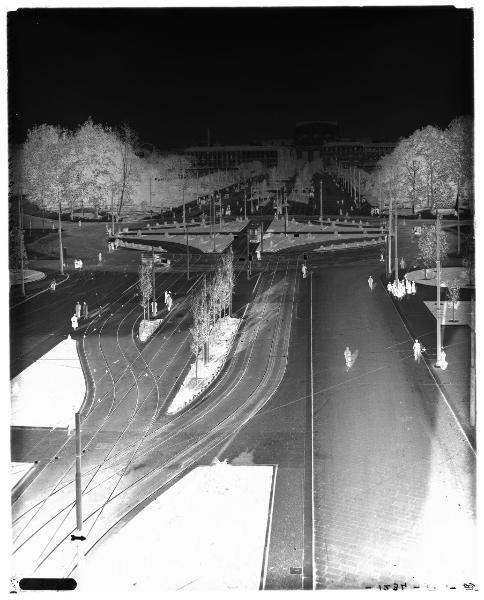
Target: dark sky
246, 73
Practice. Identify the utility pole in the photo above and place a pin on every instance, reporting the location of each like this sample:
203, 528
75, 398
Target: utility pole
188, 254
77, 536
151, 204
359, 188
321, 200
153, 273
247, 240
438, 312
245, 204
285, 206
458, 223
473, 367
396, 241
389, 250
183, 195
61, 250
78, 473
220, 216
21, 243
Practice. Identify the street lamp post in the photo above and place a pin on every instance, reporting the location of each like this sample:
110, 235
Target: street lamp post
396, 242
285, 206
188, 254
61, 250
321, 200
21, 243
438, 312
389, 249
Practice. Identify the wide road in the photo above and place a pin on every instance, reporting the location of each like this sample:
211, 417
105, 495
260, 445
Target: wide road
131, 449
378, 487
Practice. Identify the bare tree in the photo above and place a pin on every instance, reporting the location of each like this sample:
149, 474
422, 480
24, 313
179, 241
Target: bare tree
454, 296
427, 247
146, 288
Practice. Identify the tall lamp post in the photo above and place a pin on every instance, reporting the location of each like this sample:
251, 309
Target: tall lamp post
321, 200
396, 242
61, 250
438, 312
21, 242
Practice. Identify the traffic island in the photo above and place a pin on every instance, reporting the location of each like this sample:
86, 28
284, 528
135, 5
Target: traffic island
148, 328
29, 276
200, 376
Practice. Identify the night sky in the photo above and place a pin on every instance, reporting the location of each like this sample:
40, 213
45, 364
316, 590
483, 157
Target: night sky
248, 73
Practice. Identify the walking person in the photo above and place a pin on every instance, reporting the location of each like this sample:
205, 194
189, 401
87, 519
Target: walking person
80, 223
382, 258
100, 257
370, 282
304, 271
347, 355
414, 290
408, 286
78, 309
85, 311
53, 285
74, 322
417, 351
443, 363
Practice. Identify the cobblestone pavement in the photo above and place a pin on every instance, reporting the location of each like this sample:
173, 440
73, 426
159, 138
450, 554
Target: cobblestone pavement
394, 478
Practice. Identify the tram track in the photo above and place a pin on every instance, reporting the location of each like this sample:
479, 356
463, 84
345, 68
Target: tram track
136, 453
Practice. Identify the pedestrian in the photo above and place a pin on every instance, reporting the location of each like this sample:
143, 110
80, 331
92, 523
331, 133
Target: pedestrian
100, 257
258, 253
154, 307
370, 282
443, 362
402, 263
116, 243
408, 286
80, 223
53, 284
85, 311
166, 297
78, 309
417, 351
382, 258
74, 322
389, 287
347, 355
304, 271
414, 290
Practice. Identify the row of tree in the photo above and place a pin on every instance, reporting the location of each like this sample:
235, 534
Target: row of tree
430, 169
96, 167
212, 301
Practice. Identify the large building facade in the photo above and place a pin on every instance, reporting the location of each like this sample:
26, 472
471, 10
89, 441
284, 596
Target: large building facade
230, 157
313, 140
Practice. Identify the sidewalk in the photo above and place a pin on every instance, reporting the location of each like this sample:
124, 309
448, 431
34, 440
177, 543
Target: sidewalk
454, 382
167, 546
